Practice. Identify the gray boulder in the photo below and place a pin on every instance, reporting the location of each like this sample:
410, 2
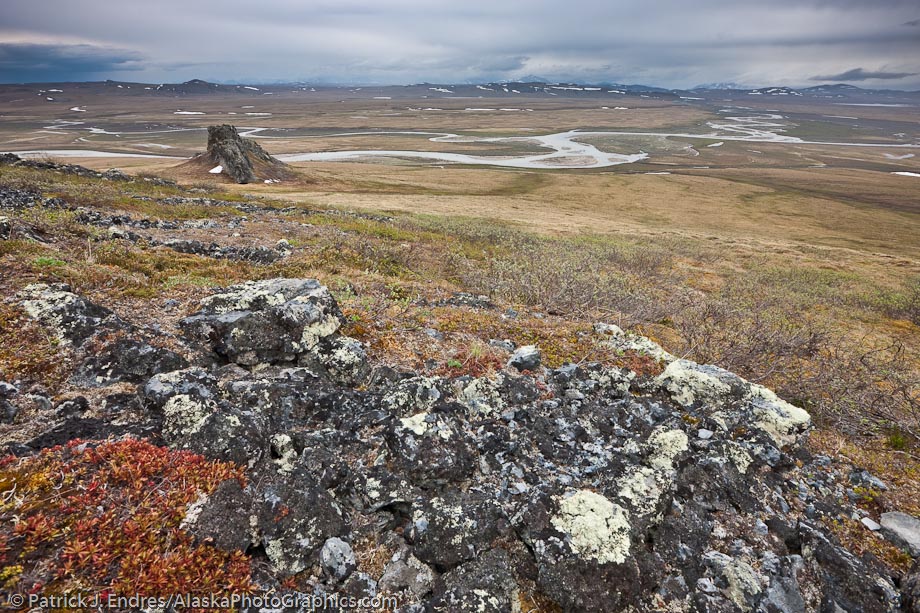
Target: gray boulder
222, 519
911, 589
525, 358
903, 530
485, 585
337, 559
866, 479
71, 317
407, 573
360, 585
449, 530
272, 321
293, 518
847, 582
128, 360
191, 382
346, 360
8, 410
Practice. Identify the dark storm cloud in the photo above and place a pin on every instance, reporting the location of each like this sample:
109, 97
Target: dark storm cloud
52, 62
858, 74
668, 42
914, 24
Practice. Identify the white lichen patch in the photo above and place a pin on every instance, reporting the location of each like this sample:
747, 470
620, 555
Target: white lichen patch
372, 488
484, 601
597, 529
641, 488
482, 398
290, 553
193, 511
687, 384
743, 584
283, 446
453, 513
255, 533
46, 304
243, 297
720, 419
346, 354
184, 415
416, 423
779, 419
165, 383
423, 573
623, 341
738, 456
616, 381
274, 549
419, 393
316, 332
664, 446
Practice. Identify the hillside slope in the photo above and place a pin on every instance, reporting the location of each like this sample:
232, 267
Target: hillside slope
270, 395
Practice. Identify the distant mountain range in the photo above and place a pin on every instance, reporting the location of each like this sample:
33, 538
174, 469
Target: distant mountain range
202, 86
537, 82
531, 85
722, 85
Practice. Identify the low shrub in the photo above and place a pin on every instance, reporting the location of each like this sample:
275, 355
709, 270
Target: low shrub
105, 518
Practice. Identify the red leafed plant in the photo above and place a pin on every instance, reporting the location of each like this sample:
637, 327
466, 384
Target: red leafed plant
99, 517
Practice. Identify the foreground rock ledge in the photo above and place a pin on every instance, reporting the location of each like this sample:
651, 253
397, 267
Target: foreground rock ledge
606, 489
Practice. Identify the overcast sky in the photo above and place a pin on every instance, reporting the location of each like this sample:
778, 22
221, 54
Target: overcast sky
674, 43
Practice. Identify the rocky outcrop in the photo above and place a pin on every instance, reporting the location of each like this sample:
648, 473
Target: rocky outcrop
241, 159
606, 489
70, 317
903, 529
255, 255
11, 159
111, 350
275, 321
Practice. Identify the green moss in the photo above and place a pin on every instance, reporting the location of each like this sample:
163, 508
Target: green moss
897, 440
47, 262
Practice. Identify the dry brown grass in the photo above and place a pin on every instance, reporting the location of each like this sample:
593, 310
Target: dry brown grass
774, 216
898, 468
858, 540
28, 352
371, 556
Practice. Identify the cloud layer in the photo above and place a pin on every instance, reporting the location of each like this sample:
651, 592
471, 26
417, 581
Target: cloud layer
63, 62
858, 74
668, 42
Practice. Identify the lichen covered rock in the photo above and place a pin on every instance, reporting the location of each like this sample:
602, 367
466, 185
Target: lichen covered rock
72, 318
600, 488
278, 320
